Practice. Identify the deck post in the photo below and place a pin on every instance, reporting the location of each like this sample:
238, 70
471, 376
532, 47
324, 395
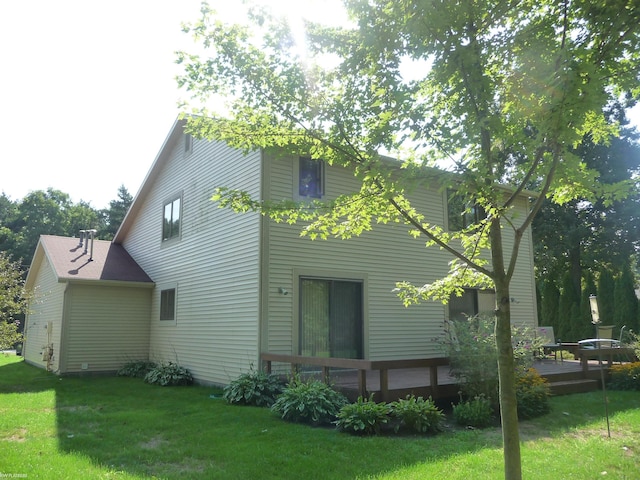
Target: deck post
362, 382
433, 380
325, 375
384, 384
267, 366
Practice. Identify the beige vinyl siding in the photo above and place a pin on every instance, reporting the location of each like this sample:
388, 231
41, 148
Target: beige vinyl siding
105, 327
523, 290
214, 266
44, 320
384, 256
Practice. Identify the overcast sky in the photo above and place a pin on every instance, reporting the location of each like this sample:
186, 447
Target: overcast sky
88, 91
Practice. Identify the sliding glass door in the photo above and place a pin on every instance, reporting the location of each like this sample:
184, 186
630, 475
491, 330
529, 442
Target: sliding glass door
331, 318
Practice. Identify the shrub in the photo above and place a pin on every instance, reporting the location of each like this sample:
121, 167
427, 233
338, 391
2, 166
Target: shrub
633, 342
473, 356
136, 369
625, 376
477, 412
311, 402
363, 417
169, 374
254, 388
532, 394
417, 414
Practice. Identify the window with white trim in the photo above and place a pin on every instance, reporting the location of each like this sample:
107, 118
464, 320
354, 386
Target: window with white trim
171, 213
168, 304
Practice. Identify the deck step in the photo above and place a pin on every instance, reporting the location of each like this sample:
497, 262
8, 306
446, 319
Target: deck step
567, 387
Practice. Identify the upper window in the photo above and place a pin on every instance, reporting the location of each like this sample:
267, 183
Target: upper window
188, 143
465, 306
168, 304
171, 219
311, 178
461, 213
472, 302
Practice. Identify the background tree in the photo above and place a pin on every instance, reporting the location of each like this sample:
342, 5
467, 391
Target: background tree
549, 305
582, 237
568, 310
52, 212
606, 285
504, 90
114, 215
13, 301
625, 301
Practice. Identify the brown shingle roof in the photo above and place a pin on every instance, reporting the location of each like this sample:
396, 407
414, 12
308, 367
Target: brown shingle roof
111, 262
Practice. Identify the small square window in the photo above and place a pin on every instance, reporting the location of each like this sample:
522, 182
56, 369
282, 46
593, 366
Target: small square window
311, 178
171, 219
168, 304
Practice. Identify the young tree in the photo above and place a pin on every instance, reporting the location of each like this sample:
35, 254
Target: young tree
502, 90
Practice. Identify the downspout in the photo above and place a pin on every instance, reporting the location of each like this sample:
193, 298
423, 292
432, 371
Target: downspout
62, 348
263, 265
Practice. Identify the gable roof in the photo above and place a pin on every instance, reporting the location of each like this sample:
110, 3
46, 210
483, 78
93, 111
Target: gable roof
70, 262
177, 130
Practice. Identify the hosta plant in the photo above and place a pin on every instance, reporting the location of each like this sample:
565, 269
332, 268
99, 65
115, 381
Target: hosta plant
169, 374
364, 417
254, 388
312, 402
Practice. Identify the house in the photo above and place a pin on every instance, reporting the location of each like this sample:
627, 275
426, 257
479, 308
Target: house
228, 287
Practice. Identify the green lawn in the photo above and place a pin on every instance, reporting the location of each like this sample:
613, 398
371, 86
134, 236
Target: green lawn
57, 428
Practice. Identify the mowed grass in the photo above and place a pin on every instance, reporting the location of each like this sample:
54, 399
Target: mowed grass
122, 428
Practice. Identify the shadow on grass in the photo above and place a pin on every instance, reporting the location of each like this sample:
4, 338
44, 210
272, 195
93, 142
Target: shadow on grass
126, 425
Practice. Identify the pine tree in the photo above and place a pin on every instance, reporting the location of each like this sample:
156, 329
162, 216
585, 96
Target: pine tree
626, 303
568, 309
606, 285
549, 305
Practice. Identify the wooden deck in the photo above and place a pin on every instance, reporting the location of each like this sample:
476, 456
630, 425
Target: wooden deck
388, 381
564, 377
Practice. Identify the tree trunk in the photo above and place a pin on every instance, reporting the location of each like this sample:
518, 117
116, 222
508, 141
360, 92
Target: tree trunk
507, 378
506, 364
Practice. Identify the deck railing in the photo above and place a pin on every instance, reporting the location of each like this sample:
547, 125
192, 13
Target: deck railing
362, 366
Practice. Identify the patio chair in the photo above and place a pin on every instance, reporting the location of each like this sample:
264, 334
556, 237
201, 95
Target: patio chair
549, 343
605, 331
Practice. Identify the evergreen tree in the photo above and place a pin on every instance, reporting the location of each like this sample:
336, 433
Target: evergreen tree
626, 302
568, 310
549, 305
606, 285
115, 214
